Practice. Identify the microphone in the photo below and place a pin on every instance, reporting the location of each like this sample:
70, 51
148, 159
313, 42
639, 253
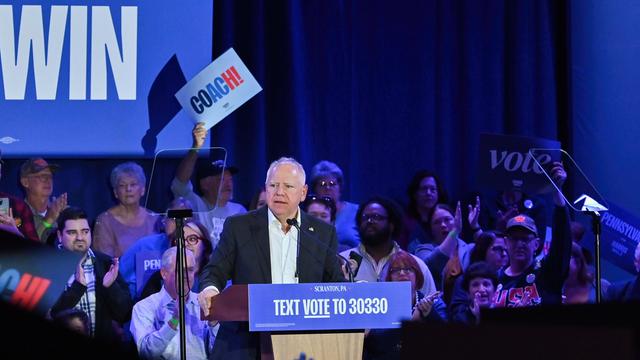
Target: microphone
358, 260
294, 222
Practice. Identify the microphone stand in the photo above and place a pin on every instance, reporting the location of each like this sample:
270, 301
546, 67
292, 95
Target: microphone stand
596, 227
179, 216
294, 222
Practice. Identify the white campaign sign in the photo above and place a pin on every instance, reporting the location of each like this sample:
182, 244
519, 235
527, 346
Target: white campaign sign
218, 89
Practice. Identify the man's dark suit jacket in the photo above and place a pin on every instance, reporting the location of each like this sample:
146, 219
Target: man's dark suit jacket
243, 255
625, 291
112, 303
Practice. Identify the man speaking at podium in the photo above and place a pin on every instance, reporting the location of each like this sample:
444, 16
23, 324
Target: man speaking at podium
261, 247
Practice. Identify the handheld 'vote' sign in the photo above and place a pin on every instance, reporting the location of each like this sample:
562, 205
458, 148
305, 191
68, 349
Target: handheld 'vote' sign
505, 163
218, 90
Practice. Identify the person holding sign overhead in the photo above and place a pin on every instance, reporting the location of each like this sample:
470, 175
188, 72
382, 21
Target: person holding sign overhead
261, 247
215, 182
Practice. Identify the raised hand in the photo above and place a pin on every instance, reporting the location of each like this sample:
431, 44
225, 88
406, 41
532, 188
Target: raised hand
8, 220
474, 214
199, 134
425, 305
558, 174
475, 306
57, 205
111, 275
503, 217
457, 219
352, 264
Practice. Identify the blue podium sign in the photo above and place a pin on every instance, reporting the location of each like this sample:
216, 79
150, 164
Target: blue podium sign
328, 306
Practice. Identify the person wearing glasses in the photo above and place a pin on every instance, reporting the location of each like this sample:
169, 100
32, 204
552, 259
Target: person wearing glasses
527, 282
491, 247
491, 250
446, 255
147, 251
36, 177
386, 343
380, 222
196, 239
327, 179
155, 319
321, 207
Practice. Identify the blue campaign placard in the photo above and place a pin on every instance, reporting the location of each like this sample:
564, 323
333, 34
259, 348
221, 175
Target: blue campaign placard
147, 263
620, 236
328, 306
504, 162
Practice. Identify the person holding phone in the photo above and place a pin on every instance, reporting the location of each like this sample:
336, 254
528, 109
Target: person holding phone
15, 214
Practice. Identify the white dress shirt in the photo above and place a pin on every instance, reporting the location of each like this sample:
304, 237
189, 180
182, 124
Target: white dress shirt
283, 249
155, 339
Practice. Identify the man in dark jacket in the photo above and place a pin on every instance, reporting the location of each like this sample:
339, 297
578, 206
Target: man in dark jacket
627, 290
95, 287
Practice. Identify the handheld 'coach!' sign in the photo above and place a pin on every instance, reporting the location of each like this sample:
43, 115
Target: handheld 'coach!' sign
218, 90
505, 163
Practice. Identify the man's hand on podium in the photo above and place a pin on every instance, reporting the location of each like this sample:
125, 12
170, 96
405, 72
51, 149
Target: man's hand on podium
205, 297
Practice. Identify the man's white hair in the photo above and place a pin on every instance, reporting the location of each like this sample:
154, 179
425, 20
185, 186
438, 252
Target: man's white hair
287, 160
169, 258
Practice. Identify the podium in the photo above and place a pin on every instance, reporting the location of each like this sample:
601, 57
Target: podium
319, 320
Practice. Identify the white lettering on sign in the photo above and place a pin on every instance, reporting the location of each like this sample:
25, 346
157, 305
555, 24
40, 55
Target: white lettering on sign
152, 264
316, 308
287, 307
514, 161
362, 306
46, 62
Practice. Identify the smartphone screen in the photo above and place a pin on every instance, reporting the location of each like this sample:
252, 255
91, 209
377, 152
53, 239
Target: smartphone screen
4, 206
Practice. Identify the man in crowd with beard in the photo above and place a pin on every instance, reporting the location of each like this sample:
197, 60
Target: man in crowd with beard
95, 287
379, 222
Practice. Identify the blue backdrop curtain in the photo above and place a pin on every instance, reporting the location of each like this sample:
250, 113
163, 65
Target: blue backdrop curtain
385, 88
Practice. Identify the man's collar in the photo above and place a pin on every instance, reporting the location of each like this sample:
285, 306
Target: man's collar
166, 297
271, 217
90, 257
